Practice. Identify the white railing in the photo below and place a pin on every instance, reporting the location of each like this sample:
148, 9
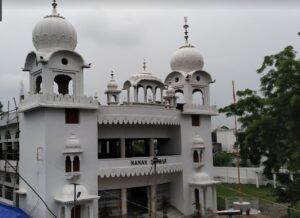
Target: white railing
138, 114
53, 100
138, 166
200, 109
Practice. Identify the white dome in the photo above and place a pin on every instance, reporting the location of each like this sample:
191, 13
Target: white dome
186, 59
54, 32
112, 85
198, 140
72, 142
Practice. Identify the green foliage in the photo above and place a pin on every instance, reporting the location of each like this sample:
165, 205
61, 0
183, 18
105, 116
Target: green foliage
223, 159
1, 106
270, 119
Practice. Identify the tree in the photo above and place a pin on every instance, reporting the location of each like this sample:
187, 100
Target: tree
1, 106
223, 159
270, 118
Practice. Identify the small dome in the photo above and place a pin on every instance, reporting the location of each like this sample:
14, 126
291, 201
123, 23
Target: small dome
198, 140
68, 191
112, 85
201, 177
72, 142
54, 32
186, 59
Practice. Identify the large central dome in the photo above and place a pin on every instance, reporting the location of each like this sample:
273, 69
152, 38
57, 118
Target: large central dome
54, 32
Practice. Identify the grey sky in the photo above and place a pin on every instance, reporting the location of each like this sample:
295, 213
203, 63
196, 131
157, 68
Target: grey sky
232, 38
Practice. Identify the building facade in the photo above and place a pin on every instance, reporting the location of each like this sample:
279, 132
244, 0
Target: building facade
225, 137
90, 160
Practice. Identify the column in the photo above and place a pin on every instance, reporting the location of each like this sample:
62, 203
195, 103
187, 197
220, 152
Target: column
135, 94
91, 210
256, 180
151, 147
145, 95
214, 198
124, 201
202, 200
153, 200
161, 95
204, 197
128, 95
123, 147
67, 212
154, 94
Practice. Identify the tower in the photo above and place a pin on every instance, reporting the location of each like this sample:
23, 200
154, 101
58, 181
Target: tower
191, 84
58, 125
112, 92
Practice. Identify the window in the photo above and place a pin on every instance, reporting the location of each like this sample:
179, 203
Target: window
76, 164
198, 78
195, 120
177, 79
195, 157
72, 116
7, 177
109, 148
9, 193
68, 164
64, 61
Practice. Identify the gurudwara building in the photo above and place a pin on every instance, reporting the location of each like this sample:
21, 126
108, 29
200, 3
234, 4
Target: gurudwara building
86, 159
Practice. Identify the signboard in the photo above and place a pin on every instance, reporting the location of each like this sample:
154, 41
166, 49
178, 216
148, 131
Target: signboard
146, 162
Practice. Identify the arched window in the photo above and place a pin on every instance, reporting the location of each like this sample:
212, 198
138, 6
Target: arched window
141, 94
7, 135
76, 164
38, 84
149, 94
68, 164
158, 94
180, 97
195, 157
198, 97
62, 82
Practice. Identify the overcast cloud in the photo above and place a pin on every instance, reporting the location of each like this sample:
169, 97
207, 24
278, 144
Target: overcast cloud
232, 38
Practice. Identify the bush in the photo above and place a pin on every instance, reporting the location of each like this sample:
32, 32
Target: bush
223, 159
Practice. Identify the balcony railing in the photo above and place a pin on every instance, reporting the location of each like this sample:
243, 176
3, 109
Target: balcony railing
138, 166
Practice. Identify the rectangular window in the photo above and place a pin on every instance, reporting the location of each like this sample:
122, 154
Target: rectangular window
72, 116
195, 120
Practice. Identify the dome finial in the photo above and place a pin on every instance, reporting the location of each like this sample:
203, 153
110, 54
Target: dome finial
186, 33
112, 75
54, 5
144, 64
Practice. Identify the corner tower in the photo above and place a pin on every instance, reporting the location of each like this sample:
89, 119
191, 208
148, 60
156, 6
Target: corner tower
58, 126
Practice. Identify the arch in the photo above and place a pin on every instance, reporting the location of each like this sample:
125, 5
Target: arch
180, 96
171, 77
7, 135
198, 97
204, 76
158, 94
68, 167
76, 164
195, 157
149, 94
38, 84
141, 94
62, 82
197, 199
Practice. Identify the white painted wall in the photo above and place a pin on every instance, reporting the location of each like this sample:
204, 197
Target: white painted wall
227, 138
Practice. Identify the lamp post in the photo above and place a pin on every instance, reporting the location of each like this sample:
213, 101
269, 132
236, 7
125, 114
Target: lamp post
76, 196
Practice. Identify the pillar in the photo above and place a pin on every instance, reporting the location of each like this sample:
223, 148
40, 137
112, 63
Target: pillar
91, 210
204, 197
214, 198
135, 94
128, 95
153, 200
257, 180
154, 94
124, 201
123, 148
68, 212
201, 193
151, 147
145, 95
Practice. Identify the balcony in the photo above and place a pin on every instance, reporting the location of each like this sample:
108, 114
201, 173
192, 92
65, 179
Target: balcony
200, 109
138, 166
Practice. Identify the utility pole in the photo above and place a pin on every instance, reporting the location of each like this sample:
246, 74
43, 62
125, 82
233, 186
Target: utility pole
76, 196
155, 173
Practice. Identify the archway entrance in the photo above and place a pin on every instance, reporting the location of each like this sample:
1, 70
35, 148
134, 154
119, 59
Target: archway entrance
137, 203
77, 212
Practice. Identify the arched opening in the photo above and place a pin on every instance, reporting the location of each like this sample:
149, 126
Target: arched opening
141, 94
180, 96
76, 164
7, 135
68, 164
38, 84
131, 94
195, 157
77, 212
198, 97
70, 87
158, 95
149, 94
62, 82
197, 199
